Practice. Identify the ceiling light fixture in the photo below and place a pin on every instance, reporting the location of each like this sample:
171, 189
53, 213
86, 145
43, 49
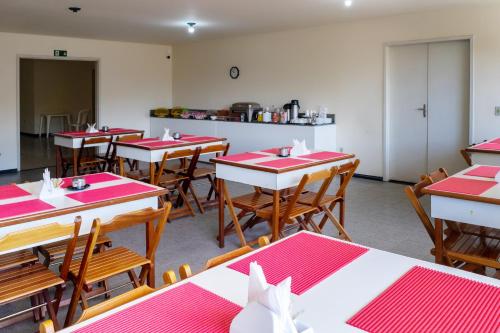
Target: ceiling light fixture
191, 28
348, 3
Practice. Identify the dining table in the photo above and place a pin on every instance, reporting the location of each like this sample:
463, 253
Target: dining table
151, 150
487, 153
336, 286
73, 141
267, 170
470, 196
106, 196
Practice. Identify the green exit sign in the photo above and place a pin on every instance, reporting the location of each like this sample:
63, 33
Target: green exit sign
60, 53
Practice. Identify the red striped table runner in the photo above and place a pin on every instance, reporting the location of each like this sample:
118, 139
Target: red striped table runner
110, 192
187, 308
323, 155
307, 258
463, 186
424, 300
242, 157
12, 191
282, 163
484, 171
23, 208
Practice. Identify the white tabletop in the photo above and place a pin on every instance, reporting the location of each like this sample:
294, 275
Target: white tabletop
329, 304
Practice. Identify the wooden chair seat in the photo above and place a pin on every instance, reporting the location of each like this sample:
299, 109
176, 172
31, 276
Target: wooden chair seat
297, 210
57, 250
25, 281
18, 258
308, 198
479, 231
141, 175
203, 172
170, 179
252, 201
105, 264
464, 247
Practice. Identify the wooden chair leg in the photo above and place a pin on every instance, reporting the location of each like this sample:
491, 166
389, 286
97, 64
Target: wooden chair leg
234, 217
196, 200
134, 279
75, 298
337, 224
184, 198
37, 315
85, 303
50, 309
325, 217
147, 272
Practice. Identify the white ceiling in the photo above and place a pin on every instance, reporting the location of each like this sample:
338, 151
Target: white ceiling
164, 21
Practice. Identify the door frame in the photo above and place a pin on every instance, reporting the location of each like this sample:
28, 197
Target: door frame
97, 93
386, 114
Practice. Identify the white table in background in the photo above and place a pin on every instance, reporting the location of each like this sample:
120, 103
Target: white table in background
249, 172
486, 153
140, 151
48, 119
327, 305
73, 141
482, 210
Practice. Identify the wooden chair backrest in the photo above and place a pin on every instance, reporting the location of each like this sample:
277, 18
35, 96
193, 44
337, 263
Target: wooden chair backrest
145, 216
216, 261
414, 193
130, 137
466, 157
92, 141
327, 177
194, 154
115, 302
219, 150
436, 175
347, 171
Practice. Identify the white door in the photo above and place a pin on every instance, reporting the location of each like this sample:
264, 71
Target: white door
428, 102
407, 124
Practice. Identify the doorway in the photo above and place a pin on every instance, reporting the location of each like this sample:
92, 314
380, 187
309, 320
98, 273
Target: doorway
54, 95
427, 108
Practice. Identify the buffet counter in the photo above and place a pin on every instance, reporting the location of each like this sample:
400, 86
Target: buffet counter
244, 136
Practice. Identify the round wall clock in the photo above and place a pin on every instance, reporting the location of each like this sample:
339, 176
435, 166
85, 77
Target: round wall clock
234, 72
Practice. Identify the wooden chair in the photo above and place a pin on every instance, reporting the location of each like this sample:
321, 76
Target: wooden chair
170, 278
328, 202
113, 160
466, 157
98, 267
87, 159
16, 259
127, 297
35, 280
465, 251
291, 211
53, 253
208, 172
249, 204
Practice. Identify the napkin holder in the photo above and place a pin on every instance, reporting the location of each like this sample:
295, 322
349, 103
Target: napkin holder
166, 135
47, 191
255, 317
299, 148
91, 128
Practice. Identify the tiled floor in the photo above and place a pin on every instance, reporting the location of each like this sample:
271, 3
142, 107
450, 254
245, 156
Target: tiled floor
37, 152
378, 215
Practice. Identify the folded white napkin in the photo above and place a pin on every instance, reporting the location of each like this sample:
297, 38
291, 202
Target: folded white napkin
269, 307
299, 148
497, 177
49, 189
91, 128
167, 136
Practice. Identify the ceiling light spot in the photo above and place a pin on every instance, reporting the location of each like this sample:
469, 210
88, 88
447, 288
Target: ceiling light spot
191, 28
348, 3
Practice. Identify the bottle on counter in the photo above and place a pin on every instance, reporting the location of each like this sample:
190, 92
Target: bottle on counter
284, 116
275, 116
266, 116
295, 108
250, 113
260, 117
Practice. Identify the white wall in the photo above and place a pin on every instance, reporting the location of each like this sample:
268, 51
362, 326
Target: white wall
133, 78
340, 66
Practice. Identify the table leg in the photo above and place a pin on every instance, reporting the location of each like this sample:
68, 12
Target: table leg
275, 220
47, 126
439, 241
121, 166
58, 162
75, 162
152, 173
234, 217
220, 183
